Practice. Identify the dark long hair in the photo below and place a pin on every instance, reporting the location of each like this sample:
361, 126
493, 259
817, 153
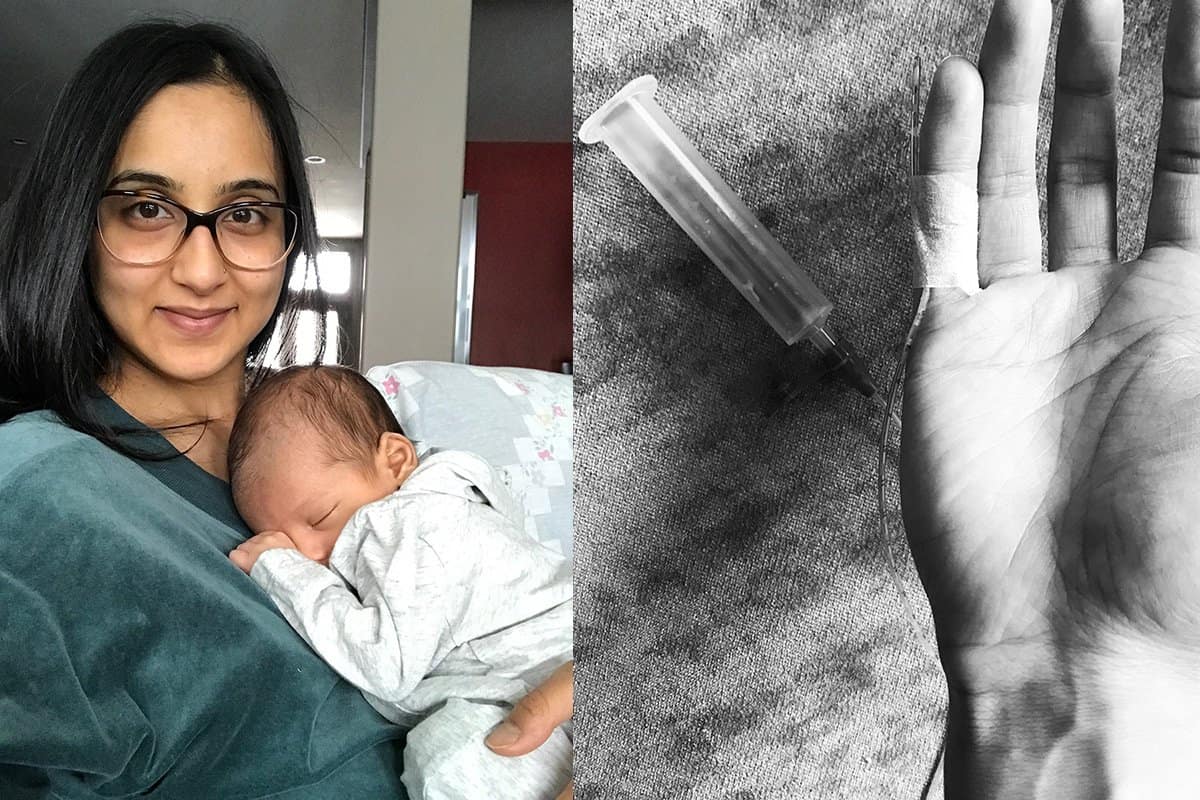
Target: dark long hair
55, 344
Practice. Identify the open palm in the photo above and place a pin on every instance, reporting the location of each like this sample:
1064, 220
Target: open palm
1051, 438
1054, 422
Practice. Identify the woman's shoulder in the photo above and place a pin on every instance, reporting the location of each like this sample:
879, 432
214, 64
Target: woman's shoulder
55, 478
39, 444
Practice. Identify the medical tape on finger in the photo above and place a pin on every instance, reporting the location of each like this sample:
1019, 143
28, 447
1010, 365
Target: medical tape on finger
945, 215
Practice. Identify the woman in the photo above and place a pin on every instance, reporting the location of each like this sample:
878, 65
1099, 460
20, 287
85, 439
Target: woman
142, 269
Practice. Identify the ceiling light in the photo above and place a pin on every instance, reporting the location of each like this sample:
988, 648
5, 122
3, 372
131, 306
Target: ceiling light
314, 159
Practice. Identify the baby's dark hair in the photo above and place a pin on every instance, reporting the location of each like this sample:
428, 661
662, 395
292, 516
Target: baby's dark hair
343, 409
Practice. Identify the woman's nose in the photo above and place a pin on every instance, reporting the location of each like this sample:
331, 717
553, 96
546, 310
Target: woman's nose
198, 264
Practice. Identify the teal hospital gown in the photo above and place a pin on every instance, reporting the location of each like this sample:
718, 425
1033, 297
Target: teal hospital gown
136, 659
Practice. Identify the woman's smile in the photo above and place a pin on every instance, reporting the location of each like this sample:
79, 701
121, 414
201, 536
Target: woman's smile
196, 322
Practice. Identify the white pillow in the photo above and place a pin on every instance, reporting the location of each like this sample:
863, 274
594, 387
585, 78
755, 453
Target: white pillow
518, 420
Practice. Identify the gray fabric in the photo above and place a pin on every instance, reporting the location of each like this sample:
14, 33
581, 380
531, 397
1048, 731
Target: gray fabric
737, 632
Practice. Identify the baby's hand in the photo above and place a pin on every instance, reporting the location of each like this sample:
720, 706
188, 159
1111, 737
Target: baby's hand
248, 551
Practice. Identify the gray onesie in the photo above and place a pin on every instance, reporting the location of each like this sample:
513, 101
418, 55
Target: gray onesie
443, 611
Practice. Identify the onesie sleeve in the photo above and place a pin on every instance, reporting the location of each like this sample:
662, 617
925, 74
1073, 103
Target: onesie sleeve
429, 568
383, 639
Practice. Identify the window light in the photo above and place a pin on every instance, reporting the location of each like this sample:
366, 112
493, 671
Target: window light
334, 268
306, 337
332, 338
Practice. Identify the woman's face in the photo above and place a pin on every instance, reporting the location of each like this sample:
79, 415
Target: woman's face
191, 318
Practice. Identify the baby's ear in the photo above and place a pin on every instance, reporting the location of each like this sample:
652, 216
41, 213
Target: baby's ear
398, 455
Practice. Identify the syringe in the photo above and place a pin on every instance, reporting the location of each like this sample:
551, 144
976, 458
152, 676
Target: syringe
640, 133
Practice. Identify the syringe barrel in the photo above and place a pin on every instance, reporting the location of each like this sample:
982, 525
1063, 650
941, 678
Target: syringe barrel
640, 133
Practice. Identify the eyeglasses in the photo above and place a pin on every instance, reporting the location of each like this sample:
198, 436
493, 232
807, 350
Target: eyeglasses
146, 229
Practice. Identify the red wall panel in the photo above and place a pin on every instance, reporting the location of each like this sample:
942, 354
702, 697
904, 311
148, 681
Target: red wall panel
522, 311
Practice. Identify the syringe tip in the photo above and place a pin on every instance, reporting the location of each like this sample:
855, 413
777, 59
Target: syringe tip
798, 372
842, 359
850, 368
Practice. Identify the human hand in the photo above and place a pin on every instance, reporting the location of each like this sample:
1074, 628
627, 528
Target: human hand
536, 716
1051, 437
246, 553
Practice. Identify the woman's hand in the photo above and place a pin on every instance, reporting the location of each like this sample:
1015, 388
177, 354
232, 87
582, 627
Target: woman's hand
246, 553
536, 716
1051, 439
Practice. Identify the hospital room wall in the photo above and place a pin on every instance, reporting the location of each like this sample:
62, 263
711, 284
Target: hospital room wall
518, 161
414, 184
522, 309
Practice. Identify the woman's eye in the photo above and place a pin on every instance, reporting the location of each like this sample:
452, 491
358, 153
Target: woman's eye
147, 210
246, 216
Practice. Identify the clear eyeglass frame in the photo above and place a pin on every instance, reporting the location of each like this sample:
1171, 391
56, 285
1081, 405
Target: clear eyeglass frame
196, 219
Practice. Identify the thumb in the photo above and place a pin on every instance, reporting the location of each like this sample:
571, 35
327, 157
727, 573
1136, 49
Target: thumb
536, 715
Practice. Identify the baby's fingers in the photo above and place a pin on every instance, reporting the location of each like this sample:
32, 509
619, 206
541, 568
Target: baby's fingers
242, 559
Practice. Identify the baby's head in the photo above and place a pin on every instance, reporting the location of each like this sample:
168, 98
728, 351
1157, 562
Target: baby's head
312, 445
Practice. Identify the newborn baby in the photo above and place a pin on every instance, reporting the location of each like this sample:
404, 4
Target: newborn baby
415, 580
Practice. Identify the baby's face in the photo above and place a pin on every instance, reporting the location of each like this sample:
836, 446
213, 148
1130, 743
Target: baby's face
296, 491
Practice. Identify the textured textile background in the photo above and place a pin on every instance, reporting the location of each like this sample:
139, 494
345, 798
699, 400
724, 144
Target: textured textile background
737, 633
